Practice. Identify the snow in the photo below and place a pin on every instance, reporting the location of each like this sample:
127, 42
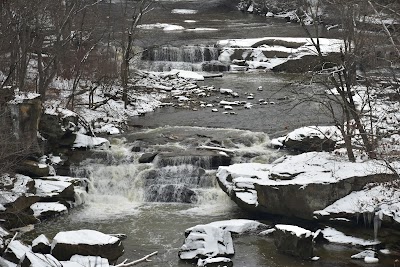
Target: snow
42, 260
41, 239
210, 261
85, 141
380, 198
183, 11
322, 132
6, 263
50, 188
303, 169
71, 264
296, 230
21, 184
335, 236
255, 47
87, 237
371, 260
237, 226
363, 254
208, 241
188, 75
173, 28
39, 208
18, 249
90, 261
20, 97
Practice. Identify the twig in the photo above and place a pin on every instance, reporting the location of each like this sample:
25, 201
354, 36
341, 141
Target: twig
145, 258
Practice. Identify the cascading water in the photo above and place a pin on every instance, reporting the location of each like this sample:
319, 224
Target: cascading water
188, 57
179, 173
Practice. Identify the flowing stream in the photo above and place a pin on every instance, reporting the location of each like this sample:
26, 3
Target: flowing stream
153, 203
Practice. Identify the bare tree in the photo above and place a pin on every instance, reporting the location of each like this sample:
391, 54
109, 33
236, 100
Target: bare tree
134, 10
356, 54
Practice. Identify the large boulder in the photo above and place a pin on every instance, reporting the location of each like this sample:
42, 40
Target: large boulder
294, 240
298, 185
86, 243
41, 245
313, 138
44, 210
208, 242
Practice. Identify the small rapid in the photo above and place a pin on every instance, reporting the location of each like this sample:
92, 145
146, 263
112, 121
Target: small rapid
180, 172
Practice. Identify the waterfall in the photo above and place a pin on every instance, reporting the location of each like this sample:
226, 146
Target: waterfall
188, 57
191, 54
183, 174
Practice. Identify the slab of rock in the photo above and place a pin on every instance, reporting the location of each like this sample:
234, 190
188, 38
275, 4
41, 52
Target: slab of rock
39, 260
236, 226
206, 241
294, 240
86, 243
55, 190
16, 251
298, 185
313, 138
44, 210
215, 262
147, 157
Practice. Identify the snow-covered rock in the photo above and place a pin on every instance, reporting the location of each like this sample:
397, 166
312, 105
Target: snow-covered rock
41, 245
86, 243
206, 241
54, 189
215, 262
44, 210
277, 53
236, 226
379, 203
311, 138
298, 185
85, 141
294, 240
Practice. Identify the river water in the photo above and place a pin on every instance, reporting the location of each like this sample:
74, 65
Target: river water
118, 201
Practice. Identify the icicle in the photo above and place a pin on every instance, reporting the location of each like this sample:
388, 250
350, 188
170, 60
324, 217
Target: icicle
377, 222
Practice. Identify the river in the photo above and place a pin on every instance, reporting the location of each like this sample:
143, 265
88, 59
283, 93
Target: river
124, 193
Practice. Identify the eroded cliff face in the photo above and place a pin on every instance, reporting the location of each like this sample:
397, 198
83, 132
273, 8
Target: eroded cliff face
25, 117
19, 118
